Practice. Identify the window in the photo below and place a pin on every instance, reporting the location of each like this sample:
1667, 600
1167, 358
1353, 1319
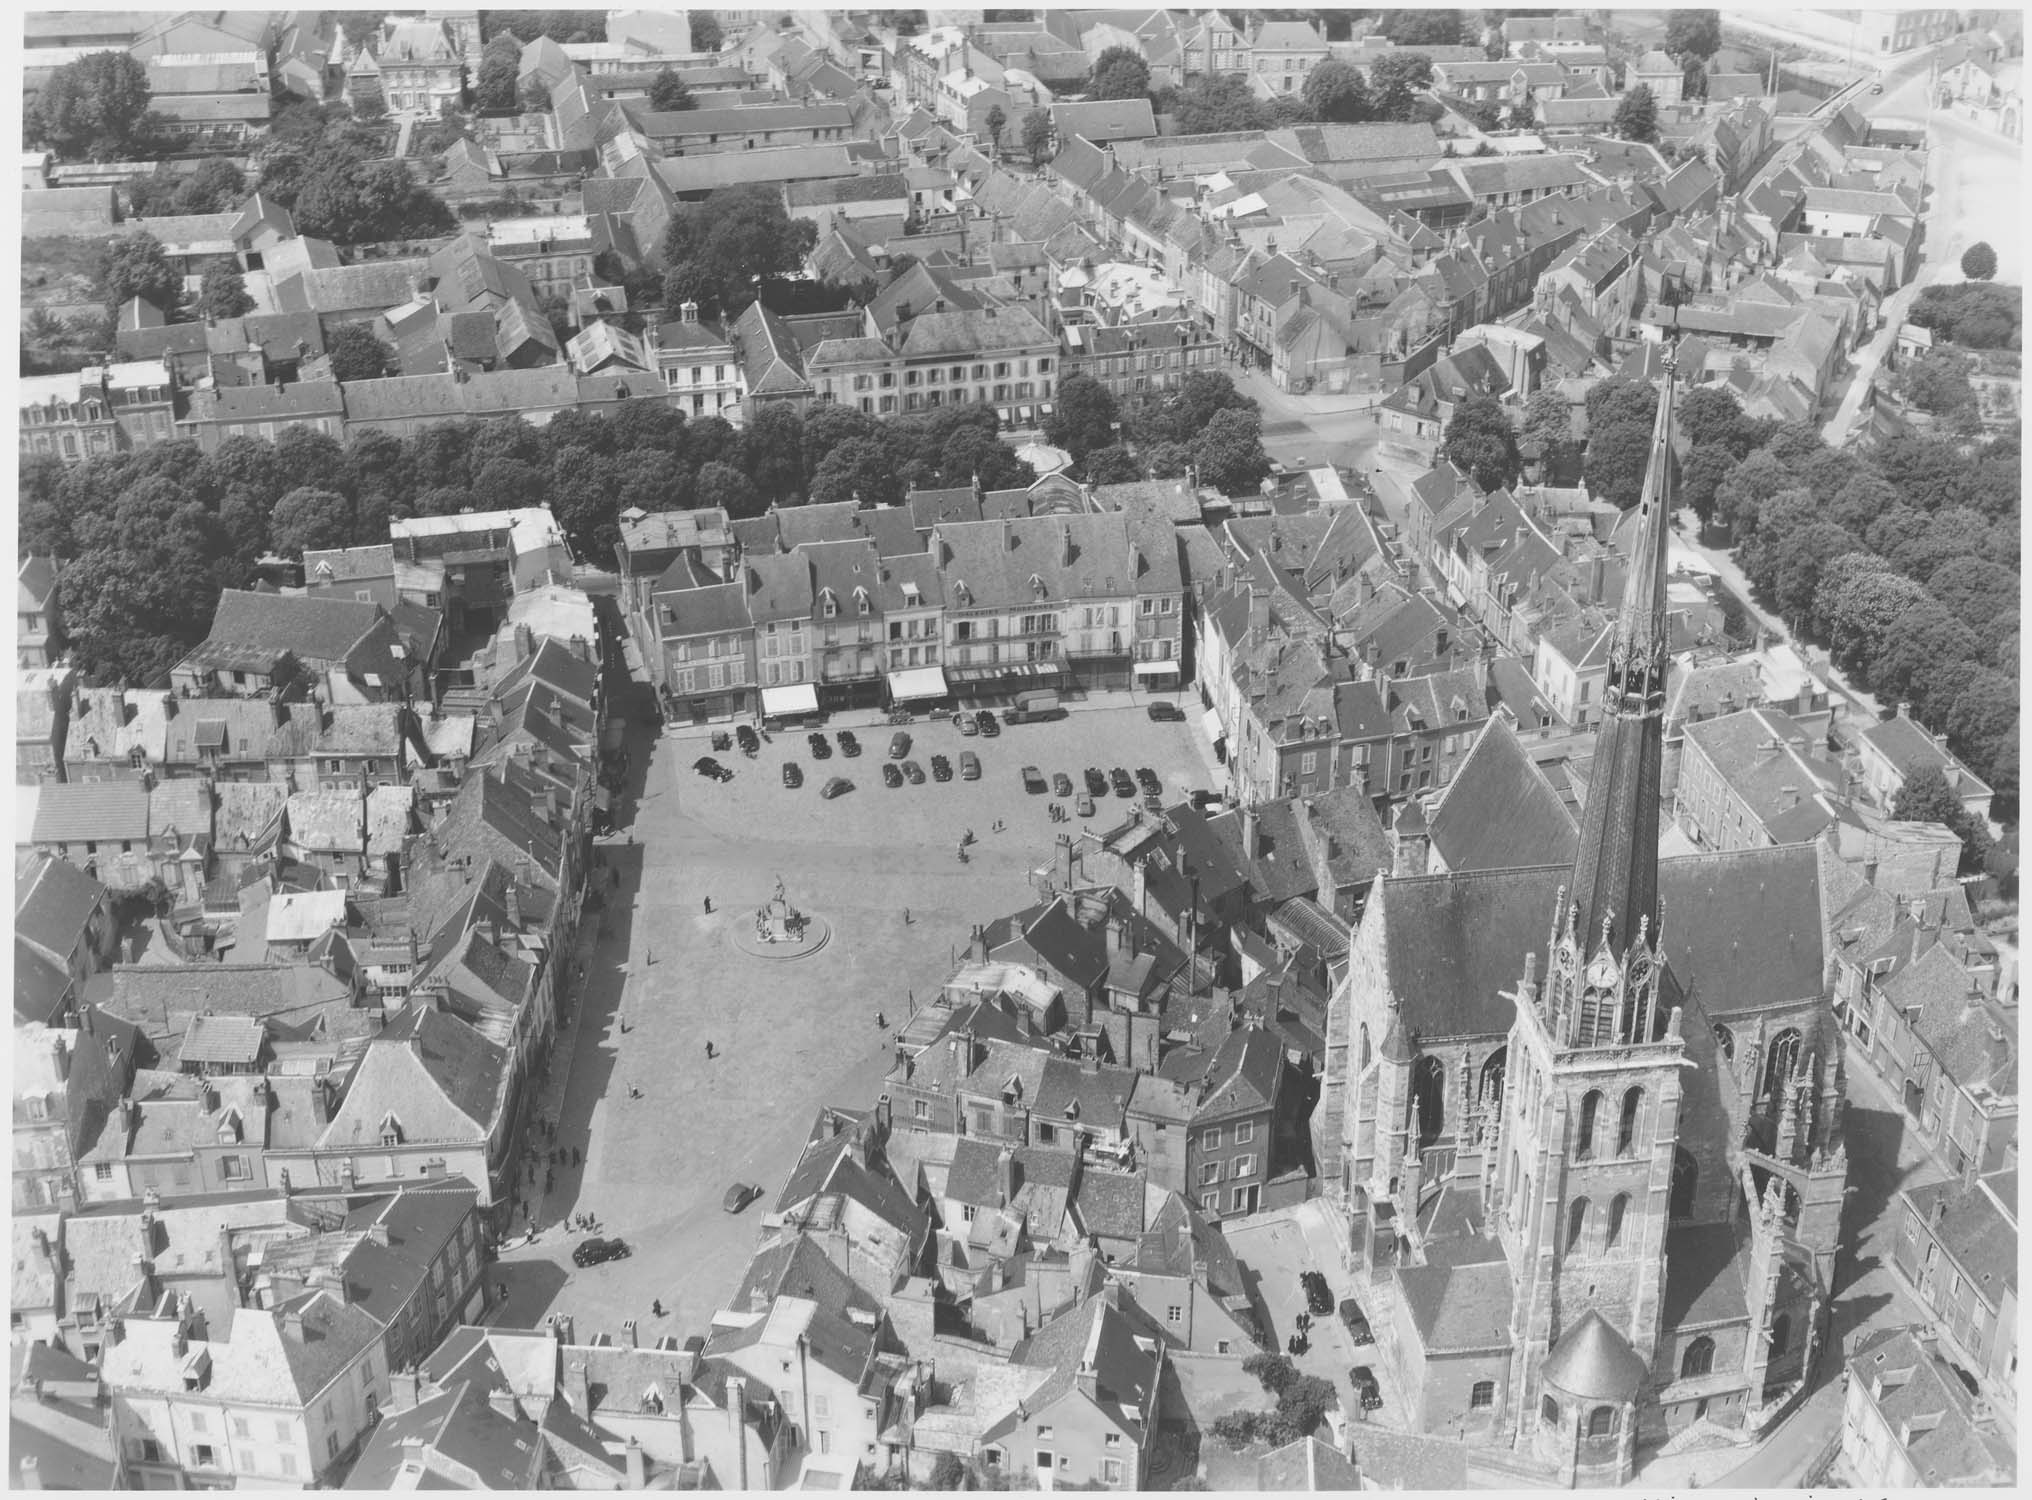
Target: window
1584, 1137
1483, 1396
1576, 1223
1244, 1166
1210, 1172
1210, 1203
1601, 1422
1548, 1412
201, 1453
102, 1171
1245, 1132
1617, 1210
197, 1422
1111, 1470
1044, 1432
241, 1427
1626, 1128
1781, 1334
288, 1462
1211, 1140
921, 1109
234, 1168
1698, 1359
1172, 1314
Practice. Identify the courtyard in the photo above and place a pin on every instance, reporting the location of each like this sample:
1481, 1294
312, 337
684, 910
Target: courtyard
791, 1035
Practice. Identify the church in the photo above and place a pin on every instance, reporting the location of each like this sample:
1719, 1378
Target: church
1582, 1119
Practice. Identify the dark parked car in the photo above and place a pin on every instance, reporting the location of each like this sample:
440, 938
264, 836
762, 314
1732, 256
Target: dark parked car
899, 745
941, 768
1366, 1390
1166, 713
1203, 799
1357, 1321
891, 775
705, 765
793, 775
849, 746
739, 1196
1097, 781
1125, 784
593, 1252
1061, 784
1318, 1295
746, 737
1147, 779
964, 723
838, 786
987, 723
914, 771
821, 747
1153, 802
1033, 781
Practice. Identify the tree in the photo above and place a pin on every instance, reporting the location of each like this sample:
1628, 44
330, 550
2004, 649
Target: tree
369, 103
500, 73
1937, 383
1693, 34
1119, 73
1548, 422
92, 107
1334, 91
1925, 797
1083, 418
134, 265
1973, 588
1479, 439
1396, 77
1706, 467
1037, 136
1637, 116
997, 121
217, 186
1802, 561
1112, 465
223, 293
1208, 105
705, 31
1421, 28
1923, 638
1229, 452
1620, 417
1979, 261
1710, 414
860, 470
307, 520
356, 354
669, 92
1483, 114
718, 251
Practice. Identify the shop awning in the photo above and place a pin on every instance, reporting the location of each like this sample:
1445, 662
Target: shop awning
1212, 725
1156, 669
798, 698
915, 683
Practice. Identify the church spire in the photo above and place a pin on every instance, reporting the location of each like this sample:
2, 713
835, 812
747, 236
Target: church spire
1615, 874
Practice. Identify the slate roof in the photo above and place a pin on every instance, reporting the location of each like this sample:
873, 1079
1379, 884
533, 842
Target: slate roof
1123, 1349
53, 902
439, 1077
1104, 120
1500, 812
1743, 930
1977, 1225
1703, 1277
1457, 1308
1922, 1397
92, 811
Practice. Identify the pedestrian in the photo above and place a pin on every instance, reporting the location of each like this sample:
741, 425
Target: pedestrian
906, 916
656, 1307
881, 1021
578, 1157
709, 906
634, 1092
710, 1054
500, 1291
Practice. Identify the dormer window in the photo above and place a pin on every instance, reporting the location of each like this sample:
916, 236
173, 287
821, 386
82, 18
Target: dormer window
831, 605
391, 1131
861, 601
1037, 585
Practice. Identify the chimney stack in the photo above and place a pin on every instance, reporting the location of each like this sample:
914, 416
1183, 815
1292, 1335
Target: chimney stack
1005, 1177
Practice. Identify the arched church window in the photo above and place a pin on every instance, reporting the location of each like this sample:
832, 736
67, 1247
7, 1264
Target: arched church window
1548, 1412
1584, 1136
1576, 1224
1725, 1042
1626, 1128
1492, 1078
1784, 1057
1428, 1097
1698, 1359
1618, 1211
1601, 1422
1363, 1066
1781, 1334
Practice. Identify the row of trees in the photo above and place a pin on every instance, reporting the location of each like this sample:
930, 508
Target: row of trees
720, 252
1974, 314
1206, 426
96, 108
149, 538
325, 172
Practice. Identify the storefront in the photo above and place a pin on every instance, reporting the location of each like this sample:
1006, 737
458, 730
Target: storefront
1210, 722
918, 685
1101, 673
799, 700
1005, 681
1158, 676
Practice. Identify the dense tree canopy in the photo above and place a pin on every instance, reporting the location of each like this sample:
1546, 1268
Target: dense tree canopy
500, 73
1083, 417
1693, 35
705, 31
669, 92
134, 265
93, 107
1979, 261
721, 250
356, 354
1208, 105
1119, 73
1479, 439
1620, 417
1334, 91
1037, 137
223, 293
1637, 116
1421, 28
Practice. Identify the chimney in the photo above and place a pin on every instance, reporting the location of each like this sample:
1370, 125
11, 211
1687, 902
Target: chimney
1005, 1177
1259, 613
977, 944
1251, 833
638, 1472
737, 1402
578, 1390
503, 1402
514, 905
628, 1333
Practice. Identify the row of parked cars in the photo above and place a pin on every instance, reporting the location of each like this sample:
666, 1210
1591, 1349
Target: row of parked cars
1098, 783
1319, 1301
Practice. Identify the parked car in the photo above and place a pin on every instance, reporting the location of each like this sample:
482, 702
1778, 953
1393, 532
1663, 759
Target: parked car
1153, 802
941, 768
1085, 806
1203, 799
914, 771
1319, 1299
705, 765
838, 786
964, 723
849, 746
739, 1196
749, 741
1033, 781
1357, 1321
1147, 779
1097, 781
892, 776
987, 723
1367, 1391
970, 766
899, 745
1165, 713
1125, 784
1032, 708
1061, 784
793, 775
821, 747
595, 1251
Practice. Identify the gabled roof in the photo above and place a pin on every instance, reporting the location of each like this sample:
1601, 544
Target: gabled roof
1499, 811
